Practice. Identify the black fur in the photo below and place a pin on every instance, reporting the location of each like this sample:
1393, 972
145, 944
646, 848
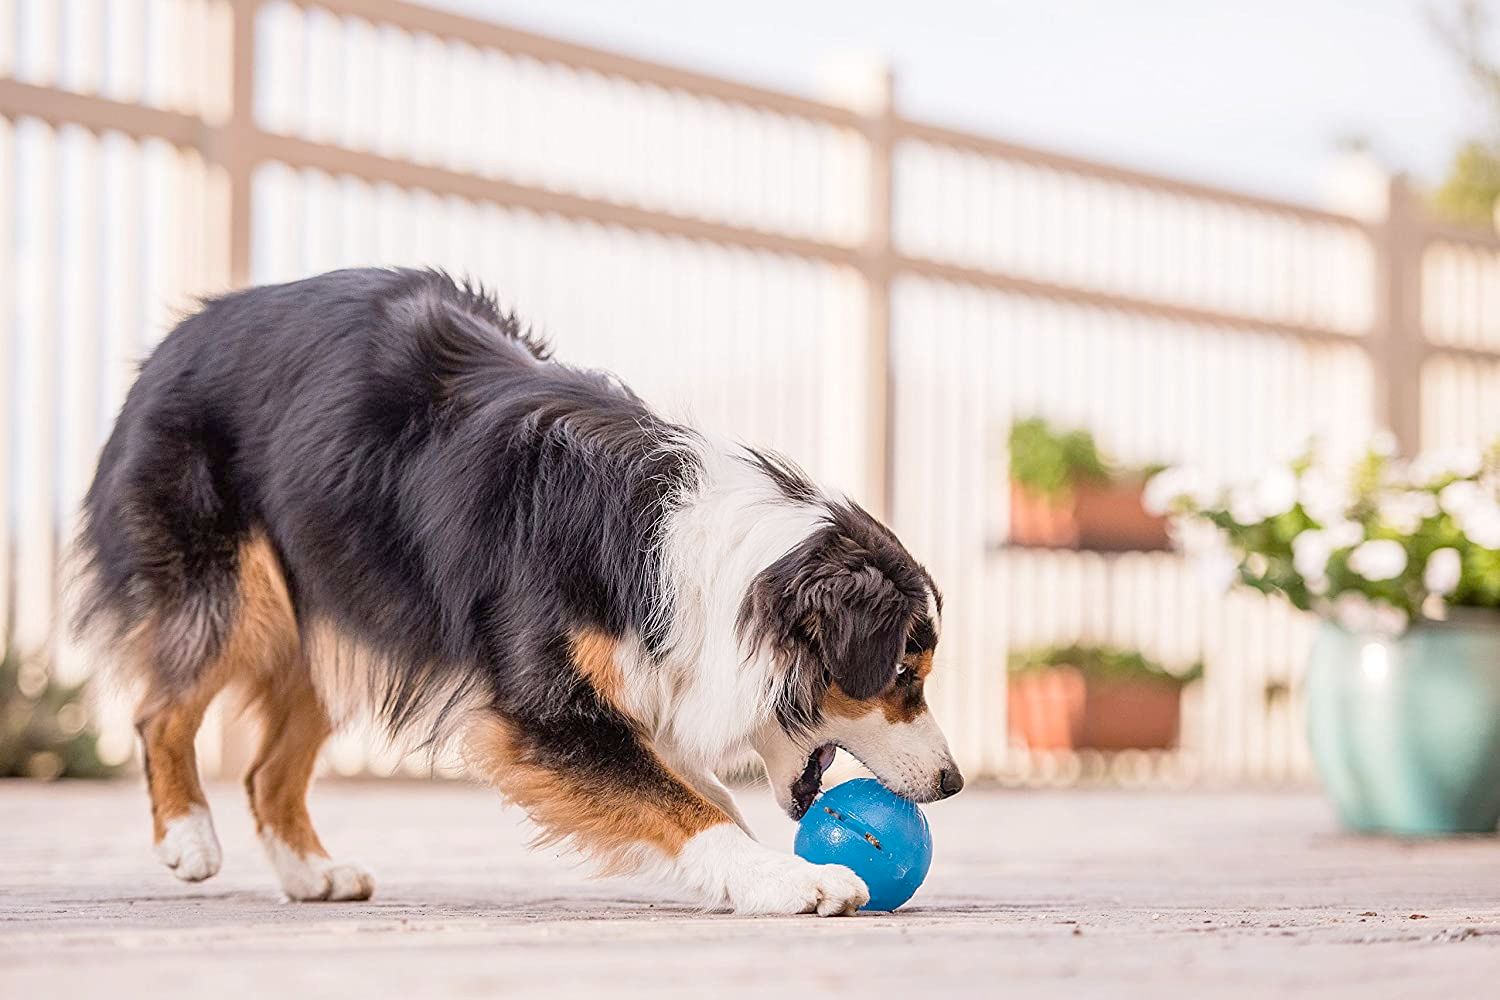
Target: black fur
431, 486
426, 484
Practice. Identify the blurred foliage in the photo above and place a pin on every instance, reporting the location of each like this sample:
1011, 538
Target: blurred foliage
1102, 663
45, 731
1048, 462
1411, 510
1468, 194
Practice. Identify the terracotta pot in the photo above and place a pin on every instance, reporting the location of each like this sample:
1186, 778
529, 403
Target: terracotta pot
1105, 517
1045, 708
1042, 521
1111, 518
1059, 709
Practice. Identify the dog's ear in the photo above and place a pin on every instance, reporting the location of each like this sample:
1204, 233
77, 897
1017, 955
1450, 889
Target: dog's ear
858, 618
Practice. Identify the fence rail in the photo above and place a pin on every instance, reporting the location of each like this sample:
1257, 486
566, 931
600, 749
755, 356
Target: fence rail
945, 281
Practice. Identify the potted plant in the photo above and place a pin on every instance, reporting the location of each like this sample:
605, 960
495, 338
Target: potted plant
45, 730
1402, 562
1094, 698
1063, 494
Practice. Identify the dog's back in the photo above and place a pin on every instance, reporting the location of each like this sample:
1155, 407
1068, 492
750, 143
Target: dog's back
323, 419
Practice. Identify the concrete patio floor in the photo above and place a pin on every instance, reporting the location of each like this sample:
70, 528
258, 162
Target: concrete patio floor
1085, 894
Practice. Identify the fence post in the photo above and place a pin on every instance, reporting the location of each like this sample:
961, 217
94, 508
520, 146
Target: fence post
866, 87
230, 143
877, 261
1397, 345
230, 146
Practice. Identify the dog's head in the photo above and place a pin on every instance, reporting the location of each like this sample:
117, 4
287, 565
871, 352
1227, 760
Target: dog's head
852, 621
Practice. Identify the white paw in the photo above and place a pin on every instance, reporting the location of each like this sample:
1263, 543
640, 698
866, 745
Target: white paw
754, 879
349, 882
189, 846
797, 886
312, 877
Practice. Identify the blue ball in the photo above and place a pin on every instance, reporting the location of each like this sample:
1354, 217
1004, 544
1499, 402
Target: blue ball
864, 826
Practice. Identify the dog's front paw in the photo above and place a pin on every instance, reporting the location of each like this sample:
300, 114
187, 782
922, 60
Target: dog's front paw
730, 868
795, 886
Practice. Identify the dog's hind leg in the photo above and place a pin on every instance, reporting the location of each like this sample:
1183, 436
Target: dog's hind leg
294, 727
265, 651
242, 634
182, 826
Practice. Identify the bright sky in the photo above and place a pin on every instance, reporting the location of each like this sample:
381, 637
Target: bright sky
1251, 94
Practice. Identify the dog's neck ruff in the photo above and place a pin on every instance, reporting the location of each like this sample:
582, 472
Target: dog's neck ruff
714, 689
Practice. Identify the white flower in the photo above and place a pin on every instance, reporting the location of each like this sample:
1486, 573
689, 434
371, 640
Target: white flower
1216, 566
1384, 444
1358, 614
1463, 462
1310, 552
1244, 506
1379, 559
1480, 522
1345, 534
1324, 497
1405, 511
1311, 549
1475, 510
1444, 567
1168, 487
1457, 497
1276, 492
1196, 536
1433, 466
1268, 495
1387, 620
1353, 611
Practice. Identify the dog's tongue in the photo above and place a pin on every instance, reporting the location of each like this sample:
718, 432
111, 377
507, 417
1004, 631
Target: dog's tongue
826, 753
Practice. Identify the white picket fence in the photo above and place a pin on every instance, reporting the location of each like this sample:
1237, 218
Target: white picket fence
876, 296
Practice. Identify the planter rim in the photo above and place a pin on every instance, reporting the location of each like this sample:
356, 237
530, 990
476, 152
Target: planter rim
1034, 669
1458, 620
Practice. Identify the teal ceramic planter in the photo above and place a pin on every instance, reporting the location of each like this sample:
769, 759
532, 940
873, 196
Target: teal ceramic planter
1405, 732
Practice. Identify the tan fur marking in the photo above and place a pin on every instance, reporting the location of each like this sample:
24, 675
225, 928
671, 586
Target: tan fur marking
265, 631
172, 761
293, 729
604, 818
263, 637
594, 656
839, 704
894, 701
266, 651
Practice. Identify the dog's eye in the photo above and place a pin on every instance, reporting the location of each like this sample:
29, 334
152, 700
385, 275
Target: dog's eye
900, 669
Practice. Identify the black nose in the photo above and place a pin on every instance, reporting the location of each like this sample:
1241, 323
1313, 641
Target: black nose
950, 781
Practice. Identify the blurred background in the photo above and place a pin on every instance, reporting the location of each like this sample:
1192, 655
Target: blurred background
983, 264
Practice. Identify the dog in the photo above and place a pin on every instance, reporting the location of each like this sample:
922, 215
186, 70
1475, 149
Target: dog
375, 491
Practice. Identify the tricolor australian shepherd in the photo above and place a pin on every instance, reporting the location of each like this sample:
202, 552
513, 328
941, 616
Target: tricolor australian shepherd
372, 490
